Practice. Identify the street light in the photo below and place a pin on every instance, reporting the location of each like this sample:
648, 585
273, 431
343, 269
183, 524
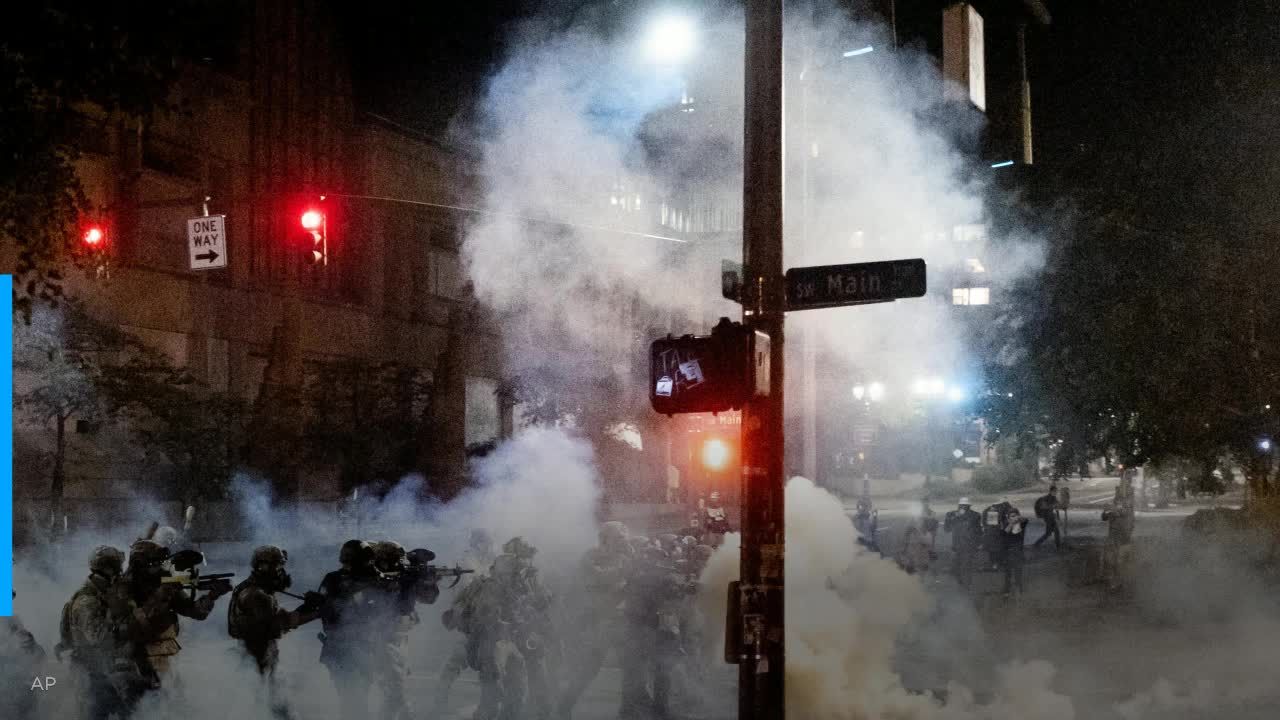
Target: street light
670, 39
875, 391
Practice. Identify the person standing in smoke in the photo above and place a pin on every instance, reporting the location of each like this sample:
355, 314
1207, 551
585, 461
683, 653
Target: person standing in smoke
21, 658
1047, 510
255, 618
1014, 538
993, 539
502, 642
94, 626
605, 570
352, 607
155, 638
692, 658
965, 527
403, 589
1115, 554
478, 558
651, 640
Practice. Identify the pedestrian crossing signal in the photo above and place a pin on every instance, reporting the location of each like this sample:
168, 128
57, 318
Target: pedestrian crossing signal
708, 373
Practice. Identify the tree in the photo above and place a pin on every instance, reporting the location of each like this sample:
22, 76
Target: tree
58, 59
366, 417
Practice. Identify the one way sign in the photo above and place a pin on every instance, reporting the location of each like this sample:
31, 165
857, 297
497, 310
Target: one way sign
207, 242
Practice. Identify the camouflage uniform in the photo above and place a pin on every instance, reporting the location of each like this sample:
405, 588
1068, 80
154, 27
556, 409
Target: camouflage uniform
353, 602
154, 634
93, 629
479, 557
605, 570
496, 634
255, 618
403, 590
651, 636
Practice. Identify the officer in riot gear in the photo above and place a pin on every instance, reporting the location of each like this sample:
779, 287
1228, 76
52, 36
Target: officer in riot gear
95, 622
965, 527
478, 558
255, 618
404, 588
155, 639
651, 635
351, 612
605, 570
254, 615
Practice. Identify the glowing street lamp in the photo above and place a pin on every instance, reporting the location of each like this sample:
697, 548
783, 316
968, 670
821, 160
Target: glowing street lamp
671, 39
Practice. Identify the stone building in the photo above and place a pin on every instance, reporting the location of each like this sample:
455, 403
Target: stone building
259, 136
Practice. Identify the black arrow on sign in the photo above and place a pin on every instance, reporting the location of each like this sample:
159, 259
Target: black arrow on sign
210, 256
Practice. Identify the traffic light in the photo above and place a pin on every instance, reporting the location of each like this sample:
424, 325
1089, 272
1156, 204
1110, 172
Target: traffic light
315, 230
708, 373
93, 237
715, 454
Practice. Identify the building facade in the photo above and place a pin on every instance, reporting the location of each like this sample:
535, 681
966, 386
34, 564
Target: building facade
260, 136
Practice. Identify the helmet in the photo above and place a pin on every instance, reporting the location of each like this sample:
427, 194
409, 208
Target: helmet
613, 533
964, 502
699, 555
669, 542
355, 552
165, 536
715, 495
147, 552
518, 547
268, 556
480, 540
505, 564
106, 561
388, 555
688, 541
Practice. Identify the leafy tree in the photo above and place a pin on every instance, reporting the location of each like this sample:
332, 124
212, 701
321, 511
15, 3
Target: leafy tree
59, 59
365, 417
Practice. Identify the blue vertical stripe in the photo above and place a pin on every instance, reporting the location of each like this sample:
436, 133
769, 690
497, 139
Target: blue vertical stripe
6, 445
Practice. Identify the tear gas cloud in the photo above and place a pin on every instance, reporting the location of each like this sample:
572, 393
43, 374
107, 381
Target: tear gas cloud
581, 132
541, 486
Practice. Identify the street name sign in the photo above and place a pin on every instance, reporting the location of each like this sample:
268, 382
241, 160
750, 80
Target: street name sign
824, 286
207, 242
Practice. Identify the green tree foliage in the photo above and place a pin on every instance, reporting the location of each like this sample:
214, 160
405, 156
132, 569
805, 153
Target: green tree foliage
59, 60
76, 368
364, 417
1150, 335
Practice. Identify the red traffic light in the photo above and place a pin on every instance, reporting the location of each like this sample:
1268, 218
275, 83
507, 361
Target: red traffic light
312, 220
715, 454
93, 236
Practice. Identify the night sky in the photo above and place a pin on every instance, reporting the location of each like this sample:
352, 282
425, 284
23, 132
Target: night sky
1105, 72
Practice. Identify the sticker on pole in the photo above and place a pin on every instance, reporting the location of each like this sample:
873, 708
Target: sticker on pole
207, 242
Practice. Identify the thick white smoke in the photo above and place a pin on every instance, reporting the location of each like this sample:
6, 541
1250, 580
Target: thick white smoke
584, 142
847, 608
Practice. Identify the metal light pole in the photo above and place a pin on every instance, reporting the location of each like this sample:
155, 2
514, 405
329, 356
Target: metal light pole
761, 667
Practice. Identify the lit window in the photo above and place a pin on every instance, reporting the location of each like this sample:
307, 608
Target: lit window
974, 265
971, 296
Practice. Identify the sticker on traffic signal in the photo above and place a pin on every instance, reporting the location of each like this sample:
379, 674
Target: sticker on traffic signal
708, 373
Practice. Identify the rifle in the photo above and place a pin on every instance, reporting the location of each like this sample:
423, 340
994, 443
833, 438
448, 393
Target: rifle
187, 563
420, 568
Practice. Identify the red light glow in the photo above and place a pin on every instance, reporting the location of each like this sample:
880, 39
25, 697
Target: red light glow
312, 219
93, 236
715, 454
